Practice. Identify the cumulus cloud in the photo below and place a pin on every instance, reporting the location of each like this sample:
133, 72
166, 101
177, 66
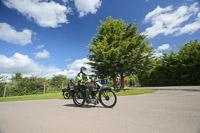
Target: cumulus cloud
5, 77
43, 54
44, 13
158, 54
163, 47
65, 1
27, 66
157, 12
87, 6
191, 27
40, 47
10, 35
17, 63
160, 49
74, 68
168, 21
22, 63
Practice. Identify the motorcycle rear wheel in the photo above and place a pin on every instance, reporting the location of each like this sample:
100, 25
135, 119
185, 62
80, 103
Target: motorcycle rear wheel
79, 98
66, 95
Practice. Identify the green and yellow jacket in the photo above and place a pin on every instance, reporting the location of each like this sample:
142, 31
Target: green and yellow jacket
82, 77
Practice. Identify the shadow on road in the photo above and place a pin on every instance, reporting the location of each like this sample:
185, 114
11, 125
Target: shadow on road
84, 106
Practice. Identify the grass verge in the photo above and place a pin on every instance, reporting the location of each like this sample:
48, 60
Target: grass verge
59, 95
126, 92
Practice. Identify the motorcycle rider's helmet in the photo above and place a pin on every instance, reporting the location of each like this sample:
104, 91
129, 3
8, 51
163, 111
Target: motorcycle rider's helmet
83, 69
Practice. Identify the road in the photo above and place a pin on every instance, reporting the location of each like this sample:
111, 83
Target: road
160, 112
173, 88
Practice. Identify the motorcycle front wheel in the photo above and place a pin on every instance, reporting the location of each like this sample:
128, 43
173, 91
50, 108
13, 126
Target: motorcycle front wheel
107, 98
79, 98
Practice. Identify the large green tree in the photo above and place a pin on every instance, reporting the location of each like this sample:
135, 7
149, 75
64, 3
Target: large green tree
176, 68
117, 49
189, 62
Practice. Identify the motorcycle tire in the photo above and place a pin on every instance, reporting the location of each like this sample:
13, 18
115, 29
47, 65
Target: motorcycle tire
107, 97
66, 95
79, 98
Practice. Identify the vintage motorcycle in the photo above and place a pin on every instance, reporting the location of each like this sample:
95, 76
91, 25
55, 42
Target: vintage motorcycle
105, 95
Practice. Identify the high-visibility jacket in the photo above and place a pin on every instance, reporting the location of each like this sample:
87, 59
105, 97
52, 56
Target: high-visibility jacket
82, 77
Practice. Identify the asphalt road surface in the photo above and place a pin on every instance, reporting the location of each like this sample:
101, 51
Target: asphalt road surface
160, 112
172, 88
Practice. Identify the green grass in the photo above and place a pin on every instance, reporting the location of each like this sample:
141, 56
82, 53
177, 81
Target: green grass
126, 92
59, 95
32, 97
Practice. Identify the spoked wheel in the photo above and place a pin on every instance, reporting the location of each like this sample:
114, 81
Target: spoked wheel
108, 98
78, 98
66, 95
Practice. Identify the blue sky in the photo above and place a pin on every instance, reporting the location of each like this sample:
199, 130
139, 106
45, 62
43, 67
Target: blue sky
49, 37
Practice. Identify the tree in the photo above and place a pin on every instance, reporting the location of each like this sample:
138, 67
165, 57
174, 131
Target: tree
1, 85
29, 85
17, 76
189, 56
133, 80
176, 68
117, 49
56, 81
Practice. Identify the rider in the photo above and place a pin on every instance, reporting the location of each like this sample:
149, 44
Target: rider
71, 84
83, 79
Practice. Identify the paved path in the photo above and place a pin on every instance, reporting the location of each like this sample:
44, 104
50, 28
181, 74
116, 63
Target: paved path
160, 112
174, 88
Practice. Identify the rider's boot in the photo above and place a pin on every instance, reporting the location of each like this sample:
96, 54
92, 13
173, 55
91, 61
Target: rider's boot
94, 101
88, 100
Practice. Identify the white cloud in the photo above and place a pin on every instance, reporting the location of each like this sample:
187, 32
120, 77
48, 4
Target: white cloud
44, 13
17, 63
157, 12
22, 63
27, 66
43, 54
168, 21
65, 1
5, 77
163, 47
160, 49
74, 68
191, 27
158, 54
87, 6
10, 35
40, 47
